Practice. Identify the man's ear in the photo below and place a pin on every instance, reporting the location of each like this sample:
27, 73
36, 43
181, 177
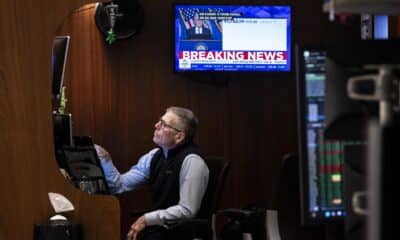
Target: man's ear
179, 137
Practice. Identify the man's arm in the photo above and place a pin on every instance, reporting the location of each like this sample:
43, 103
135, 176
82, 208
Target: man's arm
134, 177
193, 180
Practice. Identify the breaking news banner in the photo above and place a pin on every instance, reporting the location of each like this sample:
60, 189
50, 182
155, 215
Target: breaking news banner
254, 57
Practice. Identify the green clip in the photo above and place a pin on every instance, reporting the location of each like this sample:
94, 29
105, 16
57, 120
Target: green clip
111, 36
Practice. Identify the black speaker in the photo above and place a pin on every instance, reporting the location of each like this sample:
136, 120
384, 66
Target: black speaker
58, 230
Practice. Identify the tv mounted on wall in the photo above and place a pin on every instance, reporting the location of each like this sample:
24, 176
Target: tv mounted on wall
232, 38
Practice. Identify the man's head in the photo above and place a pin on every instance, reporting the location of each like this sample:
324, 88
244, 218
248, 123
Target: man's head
177, 126
197, 21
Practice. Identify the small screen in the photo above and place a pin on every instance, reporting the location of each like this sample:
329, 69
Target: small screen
232, 38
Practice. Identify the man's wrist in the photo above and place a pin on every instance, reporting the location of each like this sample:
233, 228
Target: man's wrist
153, 218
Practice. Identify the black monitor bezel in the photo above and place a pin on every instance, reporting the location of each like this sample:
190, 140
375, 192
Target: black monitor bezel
306, 219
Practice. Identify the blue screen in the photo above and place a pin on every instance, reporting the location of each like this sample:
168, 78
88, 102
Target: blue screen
232, 38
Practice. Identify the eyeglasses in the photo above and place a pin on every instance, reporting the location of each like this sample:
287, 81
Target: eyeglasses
163, 125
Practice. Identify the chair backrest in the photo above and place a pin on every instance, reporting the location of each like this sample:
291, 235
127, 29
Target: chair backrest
218, 168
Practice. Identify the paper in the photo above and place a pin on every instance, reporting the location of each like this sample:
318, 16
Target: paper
60, 203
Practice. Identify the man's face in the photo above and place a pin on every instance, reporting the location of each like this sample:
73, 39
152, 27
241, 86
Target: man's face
199, 23
167, 133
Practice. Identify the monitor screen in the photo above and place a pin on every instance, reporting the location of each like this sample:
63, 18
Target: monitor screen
84, 167
62, 130
232, 38
58, 62
321, 161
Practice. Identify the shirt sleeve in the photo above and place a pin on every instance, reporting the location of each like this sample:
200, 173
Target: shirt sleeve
193, 180
136, 176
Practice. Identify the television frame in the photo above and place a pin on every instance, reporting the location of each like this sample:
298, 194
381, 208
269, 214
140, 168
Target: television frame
217, 71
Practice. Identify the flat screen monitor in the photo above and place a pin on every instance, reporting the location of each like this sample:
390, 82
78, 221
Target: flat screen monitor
232, 38
62, 130
58, 62
321, 162
84, 167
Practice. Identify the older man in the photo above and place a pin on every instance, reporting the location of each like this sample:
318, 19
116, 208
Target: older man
175, 172
199, 30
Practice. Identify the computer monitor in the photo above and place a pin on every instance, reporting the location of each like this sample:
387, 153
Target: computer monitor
321, 162
84, 167
62, 130
58, 63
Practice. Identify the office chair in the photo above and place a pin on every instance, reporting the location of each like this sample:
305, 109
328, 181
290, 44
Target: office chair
201, 227
255, 222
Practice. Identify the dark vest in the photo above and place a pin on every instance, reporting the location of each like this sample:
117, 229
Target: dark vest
164, 175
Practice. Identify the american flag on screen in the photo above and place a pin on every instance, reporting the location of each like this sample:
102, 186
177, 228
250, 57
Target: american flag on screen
187, 15
217, 21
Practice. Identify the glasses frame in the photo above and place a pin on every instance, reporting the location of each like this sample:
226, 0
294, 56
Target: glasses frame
163, 125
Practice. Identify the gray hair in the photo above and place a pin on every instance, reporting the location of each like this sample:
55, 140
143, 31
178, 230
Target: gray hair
187, 121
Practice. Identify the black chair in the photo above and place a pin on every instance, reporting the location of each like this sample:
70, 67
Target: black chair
259, 221
201, 227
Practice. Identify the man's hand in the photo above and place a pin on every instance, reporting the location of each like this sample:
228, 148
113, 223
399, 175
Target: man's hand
102, 153
136, 227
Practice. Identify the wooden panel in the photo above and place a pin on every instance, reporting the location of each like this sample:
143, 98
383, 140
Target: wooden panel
26, 141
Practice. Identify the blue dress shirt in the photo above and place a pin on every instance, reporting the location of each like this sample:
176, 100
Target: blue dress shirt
193, 180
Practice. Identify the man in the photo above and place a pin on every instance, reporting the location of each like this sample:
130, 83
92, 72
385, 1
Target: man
198, 31
175, 171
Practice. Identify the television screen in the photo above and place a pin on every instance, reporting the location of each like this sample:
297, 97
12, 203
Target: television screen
58, 61
321, 160
232, 38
